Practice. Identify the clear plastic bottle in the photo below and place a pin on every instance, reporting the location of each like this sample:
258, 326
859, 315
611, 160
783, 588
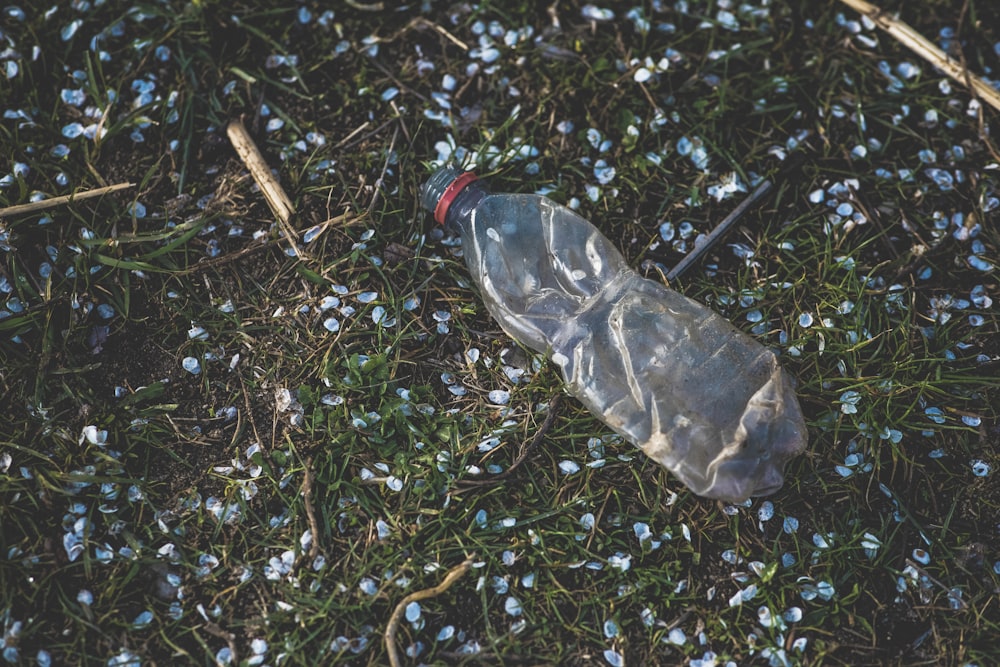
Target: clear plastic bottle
670, 375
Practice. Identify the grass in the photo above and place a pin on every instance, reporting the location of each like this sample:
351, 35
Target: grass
277, 506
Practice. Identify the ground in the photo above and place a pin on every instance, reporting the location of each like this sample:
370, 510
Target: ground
217, 451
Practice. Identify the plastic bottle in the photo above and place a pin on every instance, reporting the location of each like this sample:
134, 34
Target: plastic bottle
670, 375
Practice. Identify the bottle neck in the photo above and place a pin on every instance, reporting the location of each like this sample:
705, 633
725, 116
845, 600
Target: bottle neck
459, 214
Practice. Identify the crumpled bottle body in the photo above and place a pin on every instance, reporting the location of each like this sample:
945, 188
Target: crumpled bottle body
670, 375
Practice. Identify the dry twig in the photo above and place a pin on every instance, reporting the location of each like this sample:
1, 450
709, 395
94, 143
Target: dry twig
373, 7
249, 411
924, 48
21, 209
397, 614
952, 597
444, 33
720, 230
355, 132
275, 195
213, 629
307, 499
214, 262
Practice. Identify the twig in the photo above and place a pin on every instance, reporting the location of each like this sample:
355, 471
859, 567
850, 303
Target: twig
21, 209
600, 514
535, 441
354, 139
397, 614
245, 147
226, 259
720, 230
984, 136
212, 262
356, 131
249, 409
402, 121
792, 164
213, 629
307, 483
951, 596
444, 33
373, 7
275, 195
388, 72
924, 48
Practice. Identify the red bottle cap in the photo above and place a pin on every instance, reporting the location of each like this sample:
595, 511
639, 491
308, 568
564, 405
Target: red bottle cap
456, 186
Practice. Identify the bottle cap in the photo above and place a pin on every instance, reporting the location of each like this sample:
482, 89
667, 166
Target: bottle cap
441, 189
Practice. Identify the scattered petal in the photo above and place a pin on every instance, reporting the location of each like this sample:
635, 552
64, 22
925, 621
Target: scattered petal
499, 397
621, 561
743, 595
792, 615
569, 467
614, 658
70, 29
512, 606
143, 620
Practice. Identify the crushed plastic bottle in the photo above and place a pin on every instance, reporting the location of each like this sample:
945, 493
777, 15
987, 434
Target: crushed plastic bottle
673, 377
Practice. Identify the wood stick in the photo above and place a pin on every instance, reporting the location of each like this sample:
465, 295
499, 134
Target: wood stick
356, 131
444, 33
307, 483
275, 195
791, 166
962, 604
213, 629
373, 7
21, 209
390, 629
720, 229
924, 48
